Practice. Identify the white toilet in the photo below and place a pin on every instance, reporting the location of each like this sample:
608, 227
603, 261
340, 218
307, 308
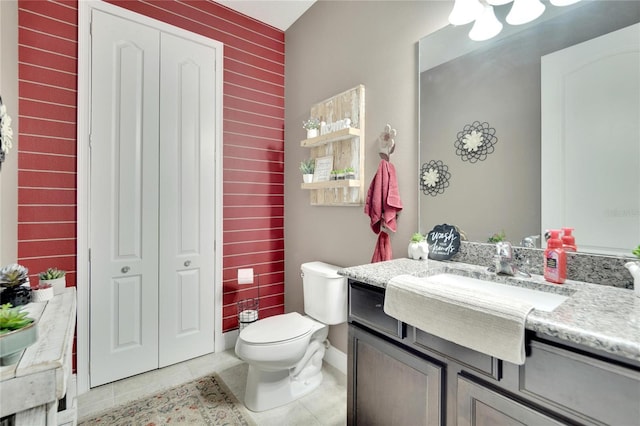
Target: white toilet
285, 352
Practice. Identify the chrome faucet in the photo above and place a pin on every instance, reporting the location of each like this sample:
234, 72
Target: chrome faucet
530, 241
503, 261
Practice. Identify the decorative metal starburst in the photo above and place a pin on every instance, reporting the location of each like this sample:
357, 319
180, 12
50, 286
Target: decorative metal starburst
475, 142
434, 177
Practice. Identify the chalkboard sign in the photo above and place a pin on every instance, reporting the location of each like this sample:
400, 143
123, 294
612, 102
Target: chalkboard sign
444, 242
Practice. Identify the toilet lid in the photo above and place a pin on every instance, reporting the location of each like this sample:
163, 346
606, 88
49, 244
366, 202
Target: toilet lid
277, 328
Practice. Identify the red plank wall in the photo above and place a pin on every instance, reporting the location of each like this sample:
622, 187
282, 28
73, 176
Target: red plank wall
253, 140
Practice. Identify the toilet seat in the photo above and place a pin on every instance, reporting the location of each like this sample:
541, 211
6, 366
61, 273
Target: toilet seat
277, 329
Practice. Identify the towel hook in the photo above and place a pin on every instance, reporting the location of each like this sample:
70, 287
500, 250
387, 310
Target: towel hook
387, 142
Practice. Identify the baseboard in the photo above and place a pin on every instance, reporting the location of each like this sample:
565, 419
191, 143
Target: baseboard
228, 340
336, 358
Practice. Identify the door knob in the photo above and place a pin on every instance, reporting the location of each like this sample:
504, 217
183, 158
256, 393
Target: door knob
187, 262
125, 269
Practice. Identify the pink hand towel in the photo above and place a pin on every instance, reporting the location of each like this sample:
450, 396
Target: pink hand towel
383, 205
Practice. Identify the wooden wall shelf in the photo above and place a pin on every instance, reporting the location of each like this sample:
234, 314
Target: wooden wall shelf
340, 135
346, 146
342, 183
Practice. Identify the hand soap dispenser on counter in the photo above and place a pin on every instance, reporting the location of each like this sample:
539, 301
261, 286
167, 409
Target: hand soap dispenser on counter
555, 259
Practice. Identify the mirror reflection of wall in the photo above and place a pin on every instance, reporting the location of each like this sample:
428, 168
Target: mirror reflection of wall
499, 83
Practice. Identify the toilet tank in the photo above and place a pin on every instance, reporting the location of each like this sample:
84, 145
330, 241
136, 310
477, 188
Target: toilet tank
324, 292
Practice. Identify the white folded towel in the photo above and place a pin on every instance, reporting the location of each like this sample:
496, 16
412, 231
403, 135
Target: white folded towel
484, 322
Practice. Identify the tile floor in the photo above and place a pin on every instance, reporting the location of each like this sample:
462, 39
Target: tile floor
325, 406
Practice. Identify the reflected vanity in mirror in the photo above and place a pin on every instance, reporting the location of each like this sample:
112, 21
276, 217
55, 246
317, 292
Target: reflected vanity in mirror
552, 165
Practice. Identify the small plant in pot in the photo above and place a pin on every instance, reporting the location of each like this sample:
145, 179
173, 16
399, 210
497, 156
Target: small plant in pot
42, 293
14, 279
17, 331
307, 167
55, 278
312, 126
418, 247
349, 173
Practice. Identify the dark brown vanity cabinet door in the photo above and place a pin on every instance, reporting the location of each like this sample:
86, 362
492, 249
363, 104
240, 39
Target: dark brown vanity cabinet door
389, 386
483, 406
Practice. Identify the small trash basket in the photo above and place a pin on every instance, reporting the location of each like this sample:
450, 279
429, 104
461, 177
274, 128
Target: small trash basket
247, 312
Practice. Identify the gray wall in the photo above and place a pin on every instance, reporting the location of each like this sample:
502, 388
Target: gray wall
333, 47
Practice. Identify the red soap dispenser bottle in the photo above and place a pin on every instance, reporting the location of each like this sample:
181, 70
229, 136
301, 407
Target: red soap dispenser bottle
555, 259
568, 240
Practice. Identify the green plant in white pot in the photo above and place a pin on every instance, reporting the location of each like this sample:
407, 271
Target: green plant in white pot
17, 331
418, 247
312, 126
55, 277
307, 167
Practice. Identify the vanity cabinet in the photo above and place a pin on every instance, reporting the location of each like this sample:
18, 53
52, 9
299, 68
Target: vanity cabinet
480, 405
394, 386
560, 383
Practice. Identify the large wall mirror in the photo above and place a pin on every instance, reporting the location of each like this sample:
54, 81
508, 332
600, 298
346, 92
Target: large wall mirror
558, 105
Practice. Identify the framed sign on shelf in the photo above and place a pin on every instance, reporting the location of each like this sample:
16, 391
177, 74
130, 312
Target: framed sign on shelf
322, 172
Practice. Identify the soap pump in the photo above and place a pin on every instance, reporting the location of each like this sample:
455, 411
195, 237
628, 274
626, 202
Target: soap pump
634, 269
555, 259
568, 240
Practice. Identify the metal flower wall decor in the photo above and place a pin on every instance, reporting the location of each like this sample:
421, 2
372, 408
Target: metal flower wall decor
475, 142
6, 133
434, 177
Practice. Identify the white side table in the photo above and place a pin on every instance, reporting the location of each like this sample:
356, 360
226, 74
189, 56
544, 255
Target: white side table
32, 387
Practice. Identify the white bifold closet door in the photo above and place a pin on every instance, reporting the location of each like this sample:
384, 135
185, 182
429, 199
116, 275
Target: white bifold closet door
152, 198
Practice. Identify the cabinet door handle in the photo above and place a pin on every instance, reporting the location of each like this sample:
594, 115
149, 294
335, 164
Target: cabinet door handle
378, 305
187, 263
125, 269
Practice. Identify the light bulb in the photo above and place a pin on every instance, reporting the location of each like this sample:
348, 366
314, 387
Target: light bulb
465, 11
486, 25
524, 11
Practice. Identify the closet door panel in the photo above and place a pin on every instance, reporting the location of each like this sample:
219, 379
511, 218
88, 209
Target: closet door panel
187, 161
124, 198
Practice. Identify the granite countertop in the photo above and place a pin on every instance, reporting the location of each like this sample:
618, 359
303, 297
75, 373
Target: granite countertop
597, 316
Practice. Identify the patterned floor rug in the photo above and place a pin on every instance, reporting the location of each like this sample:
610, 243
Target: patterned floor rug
206, 401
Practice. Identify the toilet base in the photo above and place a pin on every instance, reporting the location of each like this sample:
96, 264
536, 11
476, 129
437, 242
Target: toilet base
270, 389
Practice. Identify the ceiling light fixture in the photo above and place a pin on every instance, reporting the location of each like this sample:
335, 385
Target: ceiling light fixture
524, 11
465, 11
486, 25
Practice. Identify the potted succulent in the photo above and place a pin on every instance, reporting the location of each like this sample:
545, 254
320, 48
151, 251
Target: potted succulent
17, 331
14, 279
340, 174
55, 278
418, 247
634, 268
307, 167
333, 175
497, 237
42, 293
312, 126
349, 173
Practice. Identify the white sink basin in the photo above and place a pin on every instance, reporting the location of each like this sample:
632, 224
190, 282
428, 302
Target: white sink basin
541, 300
